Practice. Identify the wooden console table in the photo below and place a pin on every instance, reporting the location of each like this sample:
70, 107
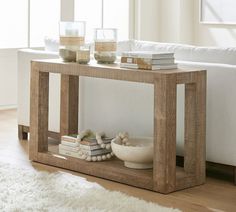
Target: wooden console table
165, 177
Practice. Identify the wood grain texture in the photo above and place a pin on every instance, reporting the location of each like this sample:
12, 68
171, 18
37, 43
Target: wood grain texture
190, 153
165, 177
38, 112
113, 71
235, 175
164, 163
69, 104
34, 87
112, 170
201, 127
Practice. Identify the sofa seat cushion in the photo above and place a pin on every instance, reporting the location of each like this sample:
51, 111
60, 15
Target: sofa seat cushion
214, 55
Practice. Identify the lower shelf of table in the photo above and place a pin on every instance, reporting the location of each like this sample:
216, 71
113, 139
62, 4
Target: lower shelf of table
113, 169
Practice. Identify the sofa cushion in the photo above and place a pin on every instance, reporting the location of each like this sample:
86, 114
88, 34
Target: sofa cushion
181, 51
123, 46
214, 55
190, 53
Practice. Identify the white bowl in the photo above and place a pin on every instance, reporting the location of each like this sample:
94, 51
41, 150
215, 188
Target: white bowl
138, 155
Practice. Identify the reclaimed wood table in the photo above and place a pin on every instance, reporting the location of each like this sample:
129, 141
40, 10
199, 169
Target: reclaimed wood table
165, 177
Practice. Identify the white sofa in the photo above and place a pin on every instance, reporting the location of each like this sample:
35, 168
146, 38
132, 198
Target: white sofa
115, 106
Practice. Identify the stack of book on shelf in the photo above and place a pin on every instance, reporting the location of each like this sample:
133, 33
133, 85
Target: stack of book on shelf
148, 60
71, 146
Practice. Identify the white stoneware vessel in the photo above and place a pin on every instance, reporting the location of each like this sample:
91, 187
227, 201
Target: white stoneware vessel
138, 155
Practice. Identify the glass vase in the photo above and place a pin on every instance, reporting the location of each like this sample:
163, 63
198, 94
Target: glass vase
72, 36
105, 45
83, 55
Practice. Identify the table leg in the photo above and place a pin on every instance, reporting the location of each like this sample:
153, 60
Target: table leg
69, 104
164, 163
201, 127
190, 153
234, 175
195, 128
38, 112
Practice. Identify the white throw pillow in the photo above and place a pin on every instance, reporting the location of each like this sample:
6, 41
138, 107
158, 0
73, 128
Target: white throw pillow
51, 44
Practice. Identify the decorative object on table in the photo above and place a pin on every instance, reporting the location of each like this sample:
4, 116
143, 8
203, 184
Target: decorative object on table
105, 45
137, 153
87, 146
148, 60
83, 55
72, 36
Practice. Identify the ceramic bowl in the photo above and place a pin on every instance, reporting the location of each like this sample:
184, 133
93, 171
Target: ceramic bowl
138, 155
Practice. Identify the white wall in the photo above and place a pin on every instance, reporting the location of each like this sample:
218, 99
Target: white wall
67, 10
8, 78
147, 26
186, 27
161, 20
169, 21
212, 34
178, 21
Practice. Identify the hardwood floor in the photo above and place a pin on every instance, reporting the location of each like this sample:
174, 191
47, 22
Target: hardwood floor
215, 195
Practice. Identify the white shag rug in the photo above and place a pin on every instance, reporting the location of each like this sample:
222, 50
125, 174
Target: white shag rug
23, 189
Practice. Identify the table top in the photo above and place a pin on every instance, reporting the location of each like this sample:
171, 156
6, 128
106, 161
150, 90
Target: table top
113, 71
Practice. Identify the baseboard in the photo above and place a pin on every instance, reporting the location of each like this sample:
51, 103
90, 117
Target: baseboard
8, 107
215, 170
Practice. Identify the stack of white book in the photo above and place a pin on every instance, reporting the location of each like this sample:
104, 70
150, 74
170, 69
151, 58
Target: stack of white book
71, 146
148, 60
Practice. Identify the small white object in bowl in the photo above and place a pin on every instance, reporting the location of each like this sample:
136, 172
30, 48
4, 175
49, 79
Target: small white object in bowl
138, 155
